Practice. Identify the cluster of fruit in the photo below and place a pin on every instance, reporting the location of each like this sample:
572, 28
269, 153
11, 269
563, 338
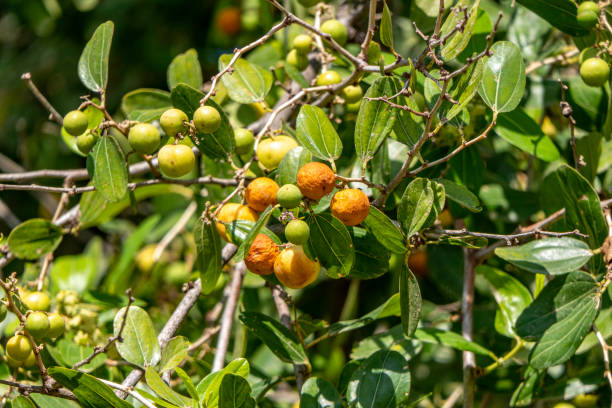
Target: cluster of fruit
38, 323
291, 265
594, 70
81, 318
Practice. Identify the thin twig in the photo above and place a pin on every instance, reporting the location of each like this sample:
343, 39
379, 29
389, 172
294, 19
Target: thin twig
467, 305
53, 114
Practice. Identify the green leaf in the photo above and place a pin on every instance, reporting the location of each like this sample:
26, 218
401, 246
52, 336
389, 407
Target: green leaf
385, 231
390, 339
461, 195
330, 242
590, 148
371, 258
296, 75
188, 383
316, 133
185, 68
174, 353
234, 392
560, 13
90, 392
450, 339
511, 296
520, 130
421, 203
386, 27
34, 238
525, 393
462, 90
110, 176
375, 118
145, 104
460, 39
503, 79
67, 353
208, 388
390, 308
550, 256
239, 230
280, 340
75, 272
93, 64
47, 401
139, 345
318, 393
248, 82
410, 301
208, 244
22, 402
291, 163
382, 381
159, 386
245, 246
408, 127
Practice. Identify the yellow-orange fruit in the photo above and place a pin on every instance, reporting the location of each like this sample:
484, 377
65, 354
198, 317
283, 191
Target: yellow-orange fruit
261, 256
228, 21
260, 193
315, 180
418, 263
232, 212
294, 269
351, 206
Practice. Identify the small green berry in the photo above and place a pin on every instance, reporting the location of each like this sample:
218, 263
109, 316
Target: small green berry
352, 93
176, 160
144, 138
207, 119
86, 141
373, 52
289, 196
18, 347
30, 361
244, 140
328, 78
297, 232
595, 72
3, 311
588, 14
36, 301
37, 324
173, 121
336, 29
302, 44
56, 326
75, 122
297, 60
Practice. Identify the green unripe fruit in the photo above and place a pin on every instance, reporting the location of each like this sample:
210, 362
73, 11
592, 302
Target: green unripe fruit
18, 347
56, 326
302, 44
173, 121
352, 93
587, 19
297, 232
86, 141
298, 60
37, 301
3, 310
244, 140
328, 78
353, 107
564, 405
30, 361
144, 138
588, 6
336, 29
308, 3
207, 119
594, 72
587, 53
13, 363
419, 99
37, 324
585, 400
75, 122
289, 196
373, 52
176, 273
176, 160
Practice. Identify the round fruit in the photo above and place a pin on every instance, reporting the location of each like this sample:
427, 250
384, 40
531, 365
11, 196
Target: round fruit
18, 347
144, 258
231, 212
207, 119
300, 61
244, 140
86, 141
36, 301
352, 93
75, 122
294, 269
228, 21
3, 311
37, 324
261, 193
587, 19
289, 196
316, 180
13, 363
564, 405
588, 6
144, 138
173, 121
353, 107
585, 400
373, 52
302, 44
271, 151
30, 361
308, 3
297, 232
261, 256
351, 206
328, 78
336, 29
418, 263
176, 160
56, 325
594, 71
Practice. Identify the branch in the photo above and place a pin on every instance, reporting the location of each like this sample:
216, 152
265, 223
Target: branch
27, 389
467, 305
509, 239
552, 60
53, 114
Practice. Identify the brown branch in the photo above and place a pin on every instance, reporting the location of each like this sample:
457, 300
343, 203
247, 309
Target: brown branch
53, 114
508, 239
552, 60
27, 389
467, 306
566, 110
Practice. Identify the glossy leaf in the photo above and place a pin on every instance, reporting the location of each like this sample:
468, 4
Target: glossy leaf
248, 82
291, 163
550, 256
174, 353
462, 90
449, 339
47, 401
319, 393
421, 203
139, 345
209, 261
317, 134
371, 258
408, 127
280, 340
90, 392
460, 39
244, 247
461, 195
93, 63
330, 242
185, 68
560, 13
390, 308
503, 78
386, 27
385, 231
234, 392
110, 176
145, 104
208, 388
410, 301
34, 238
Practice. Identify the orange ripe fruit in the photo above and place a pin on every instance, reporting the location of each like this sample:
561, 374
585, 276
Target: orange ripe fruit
294, 269
417, 262
228, 21
260, 193
351, 206
232, 212
315, 180
261, 256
